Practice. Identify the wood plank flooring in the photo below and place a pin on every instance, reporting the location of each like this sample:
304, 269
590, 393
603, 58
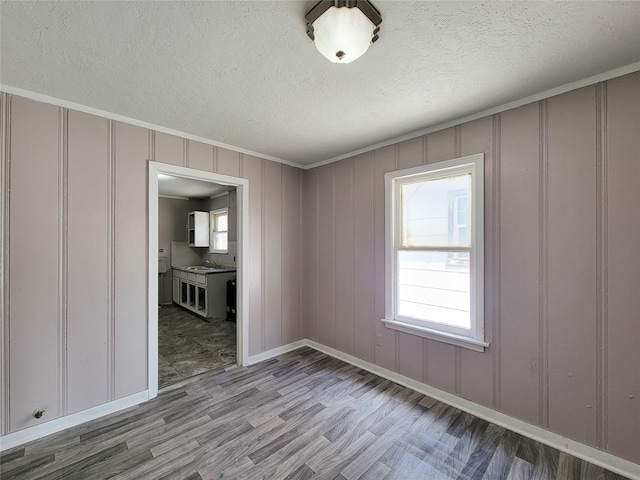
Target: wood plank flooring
303, 415
189, 345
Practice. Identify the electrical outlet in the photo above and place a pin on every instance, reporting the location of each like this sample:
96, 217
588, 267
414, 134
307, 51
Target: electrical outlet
379, 340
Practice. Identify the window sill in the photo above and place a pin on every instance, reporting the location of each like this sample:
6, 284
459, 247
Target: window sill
451, 338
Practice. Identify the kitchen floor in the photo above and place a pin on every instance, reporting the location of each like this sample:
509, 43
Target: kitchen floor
188, 345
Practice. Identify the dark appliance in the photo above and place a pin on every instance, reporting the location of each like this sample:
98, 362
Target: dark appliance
231, 300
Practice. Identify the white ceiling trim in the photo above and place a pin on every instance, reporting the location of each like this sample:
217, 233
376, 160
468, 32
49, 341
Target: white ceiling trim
173, 197
618, 72
139, 123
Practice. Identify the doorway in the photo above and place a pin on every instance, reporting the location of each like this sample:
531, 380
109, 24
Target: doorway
187, 315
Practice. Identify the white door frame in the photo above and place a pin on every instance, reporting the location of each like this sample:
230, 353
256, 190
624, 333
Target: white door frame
242, 186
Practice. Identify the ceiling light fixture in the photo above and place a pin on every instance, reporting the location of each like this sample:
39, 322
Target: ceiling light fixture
342, 30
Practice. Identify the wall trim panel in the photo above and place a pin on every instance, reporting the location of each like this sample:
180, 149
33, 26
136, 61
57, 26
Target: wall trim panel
602, 284
543, 266
262, 259
5, 156
497, 338
63, 267
111, 255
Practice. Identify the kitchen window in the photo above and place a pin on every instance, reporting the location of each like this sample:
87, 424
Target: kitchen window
434, 251
219, 231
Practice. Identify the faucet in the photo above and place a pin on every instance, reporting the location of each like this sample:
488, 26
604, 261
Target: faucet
213, 264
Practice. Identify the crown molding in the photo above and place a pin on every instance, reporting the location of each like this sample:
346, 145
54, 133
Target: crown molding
139, 123
601, 77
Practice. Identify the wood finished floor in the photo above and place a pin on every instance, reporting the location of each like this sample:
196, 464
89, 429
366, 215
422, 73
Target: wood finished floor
303, 415
189, 345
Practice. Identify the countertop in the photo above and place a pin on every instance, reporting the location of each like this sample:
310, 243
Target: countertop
207, 271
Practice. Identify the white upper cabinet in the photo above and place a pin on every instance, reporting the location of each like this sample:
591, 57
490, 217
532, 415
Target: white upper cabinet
198, 229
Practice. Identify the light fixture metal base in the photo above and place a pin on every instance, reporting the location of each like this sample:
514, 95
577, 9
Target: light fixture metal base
363, 5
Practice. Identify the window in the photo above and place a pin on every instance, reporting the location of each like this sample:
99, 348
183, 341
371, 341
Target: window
219, 231
434, 251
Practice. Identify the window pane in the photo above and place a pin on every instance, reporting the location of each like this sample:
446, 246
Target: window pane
434, 286
221, 223
220, 241
436, 212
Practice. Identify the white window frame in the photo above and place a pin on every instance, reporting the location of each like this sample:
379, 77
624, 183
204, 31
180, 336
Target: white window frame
213, 231
472, 338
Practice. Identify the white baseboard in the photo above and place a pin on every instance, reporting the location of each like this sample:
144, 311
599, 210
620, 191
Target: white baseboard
577, 449
261, 357
33, 433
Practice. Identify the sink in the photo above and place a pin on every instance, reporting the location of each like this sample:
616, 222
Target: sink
204, 269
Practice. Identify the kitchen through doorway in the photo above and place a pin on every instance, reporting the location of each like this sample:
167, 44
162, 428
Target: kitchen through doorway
197, 250
199, 319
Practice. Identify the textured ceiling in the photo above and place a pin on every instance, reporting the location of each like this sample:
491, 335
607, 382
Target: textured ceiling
170, 186
245, 74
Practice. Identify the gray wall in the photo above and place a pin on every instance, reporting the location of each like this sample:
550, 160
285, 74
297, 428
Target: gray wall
225, 201
74, 192
562, 231
172, 221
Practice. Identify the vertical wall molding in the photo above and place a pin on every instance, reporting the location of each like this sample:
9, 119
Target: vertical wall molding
335, 256
301, 250
5, 161
111, 271
602, 273
262, 259
152, 145
374, 320
424, 150
352, 181
396, 335
457, 141
496, 148
543, 266
283, 222
457, 370
63, 247
185, 153
147, 241
425, 342
316, 216
215, 159
457, 148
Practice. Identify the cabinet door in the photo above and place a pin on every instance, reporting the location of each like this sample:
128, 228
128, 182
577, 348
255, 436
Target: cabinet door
198, 229
184, 293
176, 289
201, 303
192, 297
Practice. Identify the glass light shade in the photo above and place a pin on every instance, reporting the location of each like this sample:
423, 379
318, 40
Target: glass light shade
343, 34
